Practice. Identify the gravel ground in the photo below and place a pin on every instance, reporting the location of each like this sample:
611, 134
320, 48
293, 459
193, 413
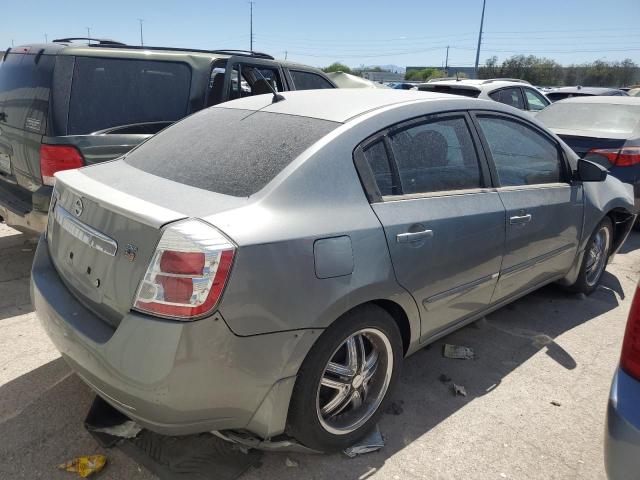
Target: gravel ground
547, 347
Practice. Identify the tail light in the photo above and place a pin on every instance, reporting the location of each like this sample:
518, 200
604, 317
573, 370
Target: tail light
630, 359
620, 157
55, 158
188, 272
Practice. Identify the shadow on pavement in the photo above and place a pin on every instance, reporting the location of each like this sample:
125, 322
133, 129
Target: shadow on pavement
41, 412
16, 256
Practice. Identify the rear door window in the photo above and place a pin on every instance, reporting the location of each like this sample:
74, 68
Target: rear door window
509, 96
308, 81
376, 157
110, 92
535, 101
436, 156
522, 155
24, 90
248, 80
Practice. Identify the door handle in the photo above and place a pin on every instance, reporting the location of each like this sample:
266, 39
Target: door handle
520, 219
414, 236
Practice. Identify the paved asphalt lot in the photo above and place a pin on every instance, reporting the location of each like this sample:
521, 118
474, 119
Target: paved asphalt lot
548, 347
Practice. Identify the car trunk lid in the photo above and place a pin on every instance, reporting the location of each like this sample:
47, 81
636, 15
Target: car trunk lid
582, 145
103, 230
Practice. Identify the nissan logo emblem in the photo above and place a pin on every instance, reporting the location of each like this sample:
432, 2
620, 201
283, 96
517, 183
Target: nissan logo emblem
77, 207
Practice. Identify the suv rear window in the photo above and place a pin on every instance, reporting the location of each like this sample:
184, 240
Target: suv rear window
24, 90
229, 151
110, 92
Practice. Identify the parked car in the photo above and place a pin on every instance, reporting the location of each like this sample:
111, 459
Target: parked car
517, 93
347, 80
267, 266
605, 130
561, 93
64, 105
404, 86
622, 433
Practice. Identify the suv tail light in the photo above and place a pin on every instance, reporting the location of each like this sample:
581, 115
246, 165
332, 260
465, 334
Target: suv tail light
621, 157
630, 359
187, 273
55, 158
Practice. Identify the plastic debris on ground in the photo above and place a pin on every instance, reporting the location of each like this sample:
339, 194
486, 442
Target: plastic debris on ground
458, 352
459, 390
290, 463
555, 403
85, 465
370, 443
128, 429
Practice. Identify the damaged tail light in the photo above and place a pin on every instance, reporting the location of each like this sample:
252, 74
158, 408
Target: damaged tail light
630, 358
188, 272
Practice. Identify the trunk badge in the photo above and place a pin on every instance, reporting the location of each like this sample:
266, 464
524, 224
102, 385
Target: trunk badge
130, 252
78, 207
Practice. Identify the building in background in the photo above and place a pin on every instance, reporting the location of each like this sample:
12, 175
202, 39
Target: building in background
382, 76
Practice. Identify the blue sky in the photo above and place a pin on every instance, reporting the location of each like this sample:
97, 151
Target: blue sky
354, 32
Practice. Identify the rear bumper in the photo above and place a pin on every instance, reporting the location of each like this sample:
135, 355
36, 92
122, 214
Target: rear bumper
172, 377
25, 210
622, 432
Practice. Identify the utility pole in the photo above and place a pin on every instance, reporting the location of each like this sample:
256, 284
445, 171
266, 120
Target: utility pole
251, 26
46, 40
285, 54
446, 62
484, 2
12, 43
141, 37
89, 35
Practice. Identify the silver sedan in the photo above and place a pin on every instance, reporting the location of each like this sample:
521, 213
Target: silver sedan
267, 264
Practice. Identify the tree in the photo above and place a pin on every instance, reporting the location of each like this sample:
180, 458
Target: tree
337, 67
424, 74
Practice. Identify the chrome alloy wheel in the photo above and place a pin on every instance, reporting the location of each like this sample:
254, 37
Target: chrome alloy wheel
355, 381
597, 256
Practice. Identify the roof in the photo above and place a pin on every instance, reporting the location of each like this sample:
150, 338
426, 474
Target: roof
604, 99
336, 105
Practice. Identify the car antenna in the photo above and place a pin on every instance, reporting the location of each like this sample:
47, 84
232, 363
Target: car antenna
276, 96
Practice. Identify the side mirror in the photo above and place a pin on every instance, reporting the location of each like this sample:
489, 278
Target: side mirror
589, 171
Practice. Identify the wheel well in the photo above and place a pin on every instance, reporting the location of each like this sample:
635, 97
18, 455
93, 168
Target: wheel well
620, 220
400, 316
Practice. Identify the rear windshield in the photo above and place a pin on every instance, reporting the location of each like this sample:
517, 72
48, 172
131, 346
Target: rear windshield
110, 92
465, 92
228, 151
591, 117
24, 90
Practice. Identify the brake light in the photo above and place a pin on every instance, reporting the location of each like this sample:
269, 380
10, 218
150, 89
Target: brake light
188, 272
630, 358
55, 158
620, 157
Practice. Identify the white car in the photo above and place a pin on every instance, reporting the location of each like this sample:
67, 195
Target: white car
517, 93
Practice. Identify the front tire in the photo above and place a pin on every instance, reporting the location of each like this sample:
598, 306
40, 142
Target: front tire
596, 256
344, 383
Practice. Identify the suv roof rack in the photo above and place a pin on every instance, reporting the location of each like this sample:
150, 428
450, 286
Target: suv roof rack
99, 41
519, 80
239, 53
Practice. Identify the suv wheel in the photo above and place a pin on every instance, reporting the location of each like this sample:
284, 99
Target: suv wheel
345, 381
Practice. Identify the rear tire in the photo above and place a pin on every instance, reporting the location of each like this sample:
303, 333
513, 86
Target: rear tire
596, 256
346, 380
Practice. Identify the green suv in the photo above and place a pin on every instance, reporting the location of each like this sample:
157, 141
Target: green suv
64, 105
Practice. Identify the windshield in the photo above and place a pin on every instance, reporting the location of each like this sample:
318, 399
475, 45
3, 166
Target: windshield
229, 151
592, 117
109, 92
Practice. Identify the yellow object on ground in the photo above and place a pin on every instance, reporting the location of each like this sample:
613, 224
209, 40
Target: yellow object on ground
85, 465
